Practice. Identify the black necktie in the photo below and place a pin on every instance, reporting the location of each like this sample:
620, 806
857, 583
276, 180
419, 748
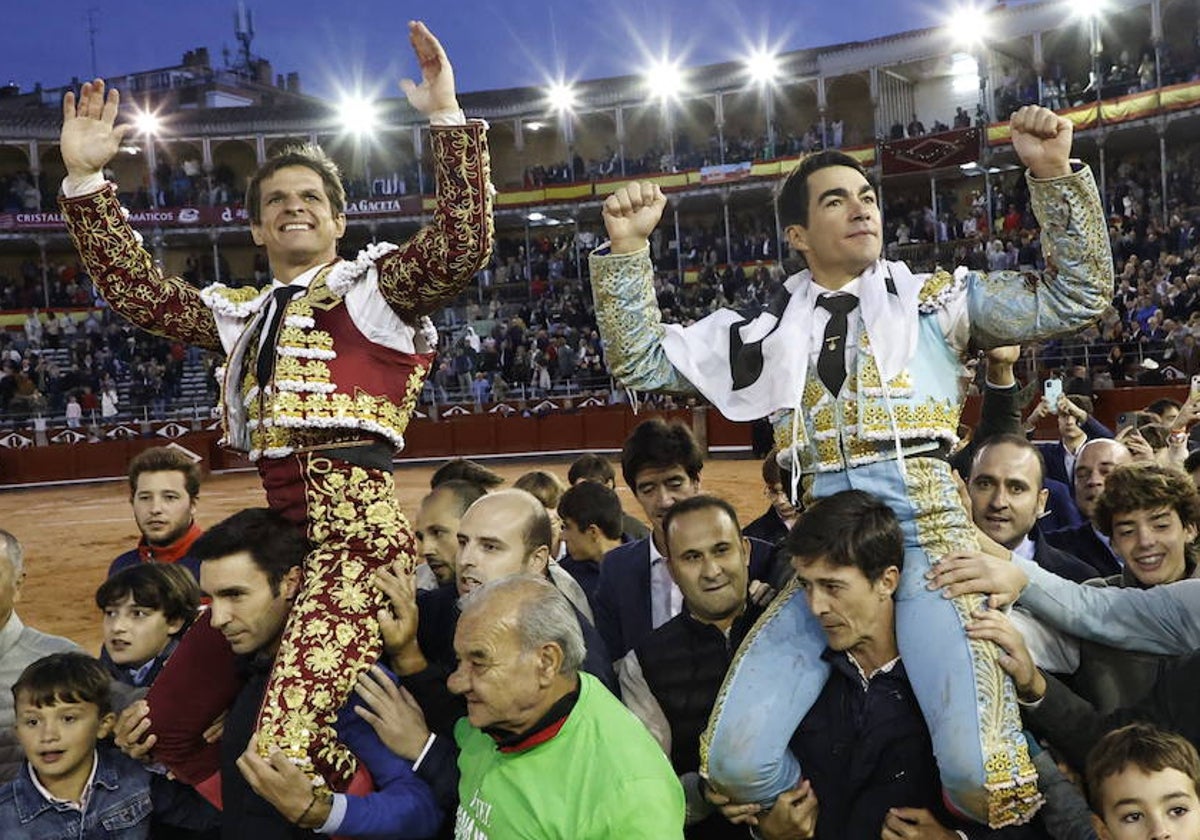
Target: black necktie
265, 367
831, 364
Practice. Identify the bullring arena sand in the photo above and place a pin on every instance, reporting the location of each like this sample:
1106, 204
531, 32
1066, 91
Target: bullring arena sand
71, 533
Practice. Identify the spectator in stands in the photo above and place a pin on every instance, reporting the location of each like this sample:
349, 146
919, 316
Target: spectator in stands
164, 487
592, 467
591, 522
671, 679
33, 328
20, 646
74, 415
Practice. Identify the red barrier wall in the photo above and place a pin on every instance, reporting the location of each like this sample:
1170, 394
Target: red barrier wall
593, 428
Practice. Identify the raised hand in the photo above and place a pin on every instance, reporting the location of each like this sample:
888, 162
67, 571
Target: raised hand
89, 137
436, 90
1042, 140
631, 213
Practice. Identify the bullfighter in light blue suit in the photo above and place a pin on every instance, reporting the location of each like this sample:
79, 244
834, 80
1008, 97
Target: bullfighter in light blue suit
856, 361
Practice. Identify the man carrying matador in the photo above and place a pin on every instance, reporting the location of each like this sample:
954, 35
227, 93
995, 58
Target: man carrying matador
856, 362
322, 374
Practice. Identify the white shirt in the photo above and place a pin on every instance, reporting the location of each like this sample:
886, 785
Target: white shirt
821, 318
666, 601
81, 805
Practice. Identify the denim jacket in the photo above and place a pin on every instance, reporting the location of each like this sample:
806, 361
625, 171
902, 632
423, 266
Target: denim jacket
123, 798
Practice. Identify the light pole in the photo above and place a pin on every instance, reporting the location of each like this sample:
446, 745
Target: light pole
360, 118
666, 84
763, 68
148, 125
561, 98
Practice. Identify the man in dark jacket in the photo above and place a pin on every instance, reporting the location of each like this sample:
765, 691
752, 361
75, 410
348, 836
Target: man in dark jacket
864, 749
1008, 498
672, 678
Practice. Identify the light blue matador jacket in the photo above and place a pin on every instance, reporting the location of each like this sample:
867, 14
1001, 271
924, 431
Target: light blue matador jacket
886, 433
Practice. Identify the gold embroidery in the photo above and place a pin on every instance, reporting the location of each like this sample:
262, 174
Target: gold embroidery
439, 261
332, 634
125, 274
937, 283
942, 526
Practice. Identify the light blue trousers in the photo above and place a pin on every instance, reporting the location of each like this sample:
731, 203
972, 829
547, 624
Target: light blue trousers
968, 702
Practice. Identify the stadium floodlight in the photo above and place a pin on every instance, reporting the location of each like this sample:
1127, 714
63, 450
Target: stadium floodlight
964, 73
536, 216
147, 122
1088, 9
967, 25
561, 97
534, 125
358, 114
665, 80
763, 67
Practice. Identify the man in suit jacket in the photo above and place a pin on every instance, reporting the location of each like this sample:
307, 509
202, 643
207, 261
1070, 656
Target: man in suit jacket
1007, 499
1076, 426
661, 462
1095, 461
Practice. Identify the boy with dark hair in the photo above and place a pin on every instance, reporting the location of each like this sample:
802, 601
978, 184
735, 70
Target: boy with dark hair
464, 469
773, 526
591, 467
71, 785
146, 608
1143, 782
598, 469
591, 526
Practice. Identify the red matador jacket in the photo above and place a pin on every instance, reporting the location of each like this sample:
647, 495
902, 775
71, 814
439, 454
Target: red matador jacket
354, 348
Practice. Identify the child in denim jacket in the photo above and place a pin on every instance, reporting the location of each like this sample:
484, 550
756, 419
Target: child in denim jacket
73, 785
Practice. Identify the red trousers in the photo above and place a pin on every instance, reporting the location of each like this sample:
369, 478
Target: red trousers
350, 514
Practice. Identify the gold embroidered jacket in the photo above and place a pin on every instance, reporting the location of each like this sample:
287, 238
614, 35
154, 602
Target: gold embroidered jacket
306, 403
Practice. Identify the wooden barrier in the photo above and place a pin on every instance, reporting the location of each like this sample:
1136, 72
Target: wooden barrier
562, 429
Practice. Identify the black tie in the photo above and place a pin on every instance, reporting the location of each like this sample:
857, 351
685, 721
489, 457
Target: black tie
831, 364
265, 367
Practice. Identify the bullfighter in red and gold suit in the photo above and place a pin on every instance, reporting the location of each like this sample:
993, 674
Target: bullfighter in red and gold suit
323, 371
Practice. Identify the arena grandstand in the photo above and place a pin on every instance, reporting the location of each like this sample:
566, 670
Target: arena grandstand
926, 110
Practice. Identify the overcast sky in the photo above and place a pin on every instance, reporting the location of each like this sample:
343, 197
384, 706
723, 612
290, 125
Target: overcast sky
492, 43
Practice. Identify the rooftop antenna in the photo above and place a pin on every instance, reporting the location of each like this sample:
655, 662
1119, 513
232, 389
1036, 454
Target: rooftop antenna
92, 30
243, 26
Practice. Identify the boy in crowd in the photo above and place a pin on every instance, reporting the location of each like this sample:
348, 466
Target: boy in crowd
1144, 782
70, 785
146, 608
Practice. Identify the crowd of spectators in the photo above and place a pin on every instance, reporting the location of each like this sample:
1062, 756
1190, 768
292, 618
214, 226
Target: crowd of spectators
98, 369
